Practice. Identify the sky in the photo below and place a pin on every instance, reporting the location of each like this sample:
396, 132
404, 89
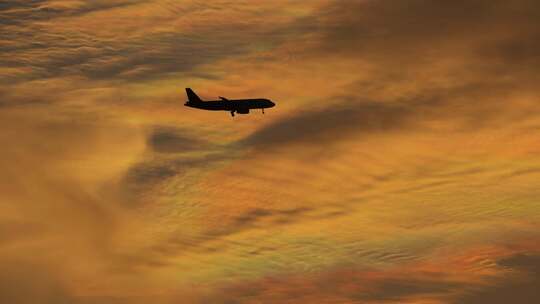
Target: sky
400, 165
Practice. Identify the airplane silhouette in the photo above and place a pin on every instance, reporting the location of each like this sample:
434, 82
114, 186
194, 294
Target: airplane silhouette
240, 106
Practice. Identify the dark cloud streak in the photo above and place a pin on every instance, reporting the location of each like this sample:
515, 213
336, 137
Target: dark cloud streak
331, 123
520, 286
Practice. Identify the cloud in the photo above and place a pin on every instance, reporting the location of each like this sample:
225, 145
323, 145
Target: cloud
172, 155
411, 64
381, 28
169, 39
343, 285
18, 230
352, 116
26, 282
253, 217
169, 140
403, 288
331, 123
519, 286
217, 240
51, 203
17, 12
127, 198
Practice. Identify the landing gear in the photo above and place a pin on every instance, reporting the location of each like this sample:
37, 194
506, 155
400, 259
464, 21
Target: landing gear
232, 113
262, 110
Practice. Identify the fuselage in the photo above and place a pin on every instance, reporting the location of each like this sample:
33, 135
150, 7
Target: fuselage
238, 105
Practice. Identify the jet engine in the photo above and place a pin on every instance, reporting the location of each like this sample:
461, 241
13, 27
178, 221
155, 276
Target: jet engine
242, 111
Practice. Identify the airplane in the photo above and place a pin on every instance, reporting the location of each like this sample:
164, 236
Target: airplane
240, 106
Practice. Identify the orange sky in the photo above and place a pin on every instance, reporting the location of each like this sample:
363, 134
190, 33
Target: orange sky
400, 165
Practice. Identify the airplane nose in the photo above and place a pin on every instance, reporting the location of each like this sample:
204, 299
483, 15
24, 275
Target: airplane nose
271, 103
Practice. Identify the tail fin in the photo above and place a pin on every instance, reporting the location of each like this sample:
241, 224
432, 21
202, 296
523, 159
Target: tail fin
192, 97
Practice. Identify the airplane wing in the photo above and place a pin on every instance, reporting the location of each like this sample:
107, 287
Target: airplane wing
223, 98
